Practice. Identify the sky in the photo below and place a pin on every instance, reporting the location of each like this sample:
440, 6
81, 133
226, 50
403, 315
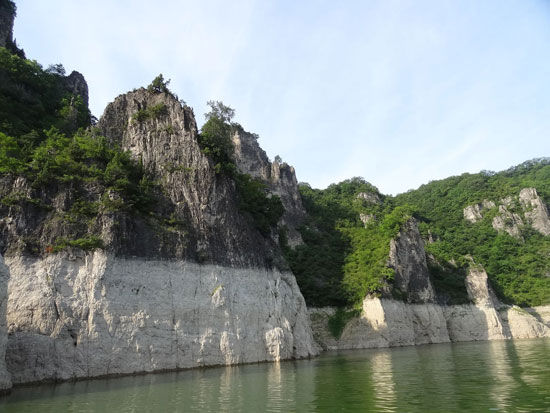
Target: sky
397, 92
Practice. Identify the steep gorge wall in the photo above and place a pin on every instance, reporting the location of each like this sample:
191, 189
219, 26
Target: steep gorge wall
96, 314
206, 291
5, 379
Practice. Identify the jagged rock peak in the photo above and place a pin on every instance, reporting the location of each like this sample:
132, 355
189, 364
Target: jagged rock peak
162, 133
7, 17
279, 177
153, 126
76, 84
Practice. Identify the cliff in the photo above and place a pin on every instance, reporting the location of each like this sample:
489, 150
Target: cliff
279, 177
386, 322
5, 378
190, 283
95, 314
7, 17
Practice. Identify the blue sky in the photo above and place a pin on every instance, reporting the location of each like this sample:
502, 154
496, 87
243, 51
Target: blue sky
398, 92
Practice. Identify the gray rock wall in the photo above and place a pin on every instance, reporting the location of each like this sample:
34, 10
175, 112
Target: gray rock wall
78, 317
388, 323
279, 177
5, 379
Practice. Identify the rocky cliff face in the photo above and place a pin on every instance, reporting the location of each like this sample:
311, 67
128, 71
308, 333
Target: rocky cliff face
203, 201
95, 314
7, 17
408, 259
386, 322
204, 292
5, 379
514, 212
279, 177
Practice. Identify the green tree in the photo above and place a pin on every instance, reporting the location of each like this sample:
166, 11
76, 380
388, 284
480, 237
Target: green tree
159, 85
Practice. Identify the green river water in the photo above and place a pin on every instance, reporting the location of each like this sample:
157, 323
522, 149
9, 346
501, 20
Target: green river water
505, 376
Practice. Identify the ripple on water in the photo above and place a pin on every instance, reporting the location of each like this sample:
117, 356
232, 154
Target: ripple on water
482, 376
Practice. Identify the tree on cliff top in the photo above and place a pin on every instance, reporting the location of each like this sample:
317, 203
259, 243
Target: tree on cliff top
159, 85
220, 111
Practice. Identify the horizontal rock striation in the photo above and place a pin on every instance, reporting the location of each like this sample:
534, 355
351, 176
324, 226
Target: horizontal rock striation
95, 314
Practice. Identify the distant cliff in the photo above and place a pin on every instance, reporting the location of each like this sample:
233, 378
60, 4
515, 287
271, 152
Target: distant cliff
386, 322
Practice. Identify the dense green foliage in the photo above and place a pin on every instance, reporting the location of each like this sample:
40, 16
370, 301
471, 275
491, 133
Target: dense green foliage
159, 85
85, 157
265, 210
152, 112
33, 99
518, 268
341, 259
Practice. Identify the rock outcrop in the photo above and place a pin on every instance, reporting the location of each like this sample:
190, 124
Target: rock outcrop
96, 314
278, 176
7, 17
473, 213
514, 213
77, 85
408, 259
536, 211
5, 379
206, 291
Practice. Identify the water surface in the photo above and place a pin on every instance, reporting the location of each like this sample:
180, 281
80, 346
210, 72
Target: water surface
507, 376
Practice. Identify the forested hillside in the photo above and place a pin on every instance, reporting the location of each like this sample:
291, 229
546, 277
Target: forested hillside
347, 236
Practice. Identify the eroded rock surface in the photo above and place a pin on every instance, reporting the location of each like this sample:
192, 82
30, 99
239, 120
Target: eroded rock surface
5, 379
408, 259
386, 322
279, 177
75, 317
536, 211
514, 212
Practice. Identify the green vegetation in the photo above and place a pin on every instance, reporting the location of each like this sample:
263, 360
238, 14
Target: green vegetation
159, 85
341, 259
89, 243
518, 268
42, 139
265, 209
33, 99
152, 112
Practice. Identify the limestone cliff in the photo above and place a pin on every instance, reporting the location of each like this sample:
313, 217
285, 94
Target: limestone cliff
408, 259
514, 212
386, 322
96, 314
280, 178
204, 291
5, 381
7, 17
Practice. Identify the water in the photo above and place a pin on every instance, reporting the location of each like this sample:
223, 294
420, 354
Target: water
506, 376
